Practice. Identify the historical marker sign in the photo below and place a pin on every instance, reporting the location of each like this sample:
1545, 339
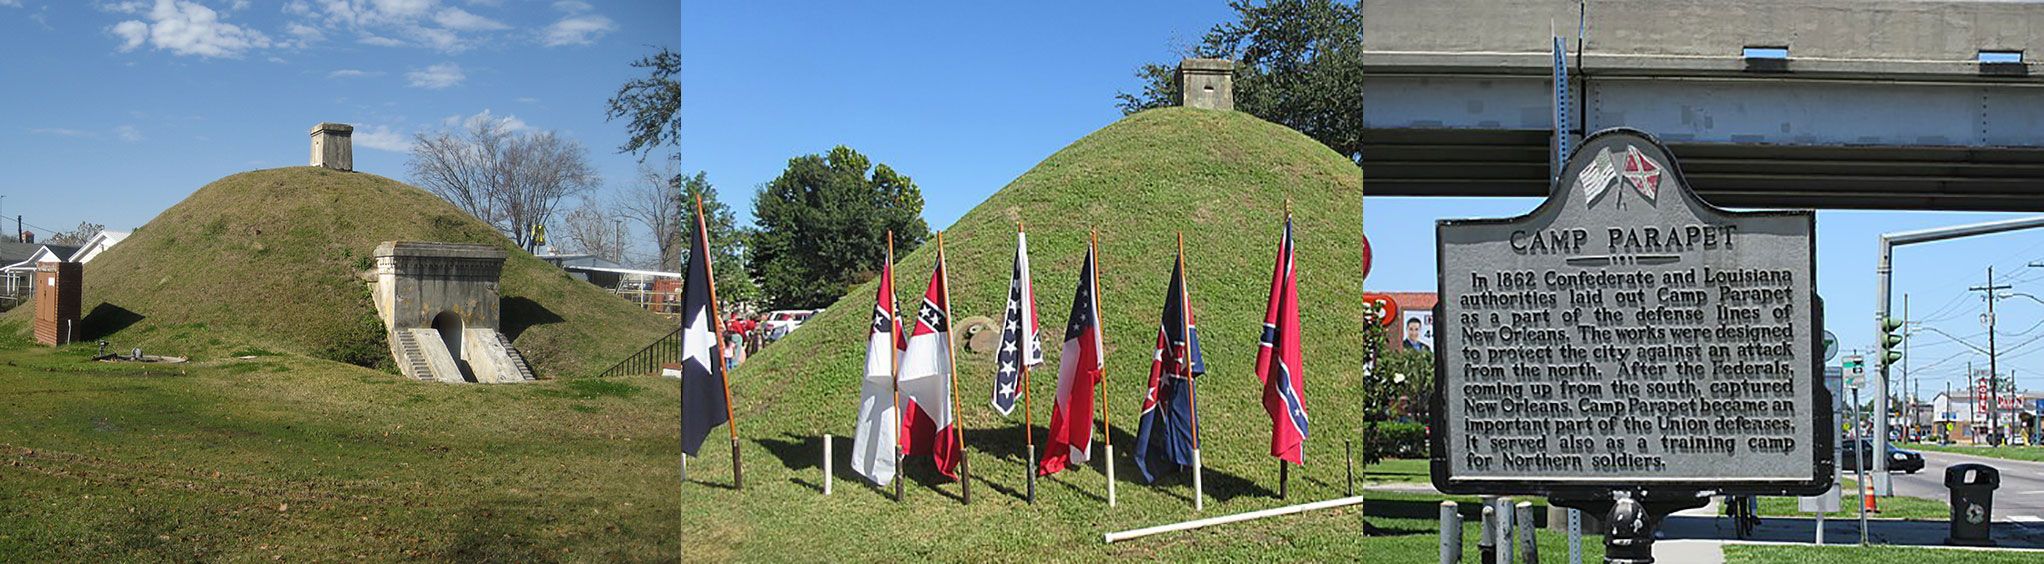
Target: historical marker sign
1626, 335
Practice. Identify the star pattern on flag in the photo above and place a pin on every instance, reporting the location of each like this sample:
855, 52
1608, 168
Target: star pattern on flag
931, 316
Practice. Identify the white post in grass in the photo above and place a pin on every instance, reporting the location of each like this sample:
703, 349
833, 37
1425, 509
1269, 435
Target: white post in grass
1451, 533
684, 467
826, 464
1110, 474
1504, 534
1529, 548
1199, 502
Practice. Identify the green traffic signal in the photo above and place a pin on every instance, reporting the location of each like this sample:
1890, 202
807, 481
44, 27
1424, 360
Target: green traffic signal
1889, 339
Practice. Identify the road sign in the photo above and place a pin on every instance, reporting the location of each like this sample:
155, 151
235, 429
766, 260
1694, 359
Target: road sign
1626, 335
1855, 371
1830, 346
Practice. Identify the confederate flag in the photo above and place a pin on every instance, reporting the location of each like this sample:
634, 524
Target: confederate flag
1169, 428
1278, 360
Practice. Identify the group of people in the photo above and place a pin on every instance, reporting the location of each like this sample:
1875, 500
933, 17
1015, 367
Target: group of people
743, 336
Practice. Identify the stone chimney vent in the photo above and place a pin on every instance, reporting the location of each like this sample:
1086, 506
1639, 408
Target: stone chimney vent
331, 147
1207, 83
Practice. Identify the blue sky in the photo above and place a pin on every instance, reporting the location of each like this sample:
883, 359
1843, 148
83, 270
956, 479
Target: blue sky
964, 97
115, 110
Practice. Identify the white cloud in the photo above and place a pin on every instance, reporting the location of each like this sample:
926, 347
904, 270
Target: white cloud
423, 23
132, 34
576, 30
305, 35
382, 138
509, 123
443, 75
64, 132
463, 20
527, 100
185, 28
573, 6
128, 133
11, 3
353, 73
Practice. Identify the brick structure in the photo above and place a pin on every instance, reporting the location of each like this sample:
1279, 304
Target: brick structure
57, 287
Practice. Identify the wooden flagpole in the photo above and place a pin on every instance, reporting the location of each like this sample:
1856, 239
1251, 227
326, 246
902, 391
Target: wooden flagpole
717, 342
1106, 415
894, 367
1022, 360
951, 344
1185, 366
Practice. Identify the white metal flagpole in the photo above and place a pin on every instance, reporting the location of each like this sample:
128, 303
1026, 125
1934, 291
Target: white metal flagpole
826, 464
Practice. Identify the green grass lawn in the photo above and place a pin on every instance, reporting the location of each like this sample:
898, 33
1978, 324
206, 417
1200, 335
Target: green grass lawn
301, 459
1852, 554
288, 457
1891, 507
2025, 453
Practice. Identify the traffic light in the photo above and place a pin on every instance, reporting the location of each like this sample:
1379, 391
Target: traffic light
1890, 340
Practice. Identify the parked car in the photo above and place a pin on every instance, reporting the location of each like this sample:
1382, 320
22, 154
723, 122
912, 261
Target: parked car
1853, 457
780, 322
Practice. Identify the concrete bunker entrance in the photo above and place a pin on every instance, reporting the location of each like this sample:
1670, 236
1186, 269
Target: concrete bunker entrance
440, 304
448, 325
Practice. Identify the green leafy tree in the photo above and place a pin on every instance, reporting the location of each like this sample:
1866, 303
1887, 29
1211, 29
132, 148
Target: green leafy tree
1299, 63
652, 103
727, 240
823, 226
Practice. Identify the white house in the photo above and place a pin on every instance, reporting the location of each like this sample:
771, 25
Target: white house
14, 277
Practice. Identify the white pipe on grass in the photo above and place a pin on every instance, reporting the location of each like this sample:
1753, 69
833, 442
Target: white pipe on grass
1236, 518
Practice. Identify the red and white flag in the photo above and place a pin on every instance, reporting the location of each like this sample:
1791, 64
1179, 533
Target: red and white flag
1279, 362
926, 380
879, 427
1080, 368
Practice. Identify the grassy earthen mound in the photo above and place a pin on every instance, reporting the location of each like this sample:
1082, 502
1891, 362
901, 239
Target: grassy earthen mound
272, 260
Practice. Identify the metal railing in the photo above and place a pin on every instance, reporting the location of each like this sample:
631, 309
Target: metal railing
663, 351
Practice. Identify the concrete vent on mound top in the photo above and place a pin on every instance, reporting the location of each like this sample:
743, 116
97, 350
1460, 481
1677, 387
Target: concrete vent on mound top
332, 147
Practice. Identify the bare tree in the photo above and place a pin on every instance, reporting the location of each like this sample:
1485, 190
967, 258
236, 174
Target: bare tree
653, 201
592, 229
511, 179
78, 235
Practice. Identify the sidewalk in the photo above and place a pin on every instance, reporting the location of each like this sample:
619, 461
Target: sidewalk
1698, 536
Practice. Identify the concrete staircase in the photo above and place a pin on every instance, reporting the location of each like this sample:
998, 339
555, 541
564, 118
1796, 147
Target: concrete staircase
503, 364
517, 358
411, 360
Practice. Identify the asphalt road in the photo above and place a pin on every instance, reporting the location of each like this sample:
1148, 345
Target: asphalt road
2020, 498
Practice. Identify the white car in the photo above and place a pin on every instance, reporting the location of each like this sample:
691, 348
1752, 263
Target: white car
780, 322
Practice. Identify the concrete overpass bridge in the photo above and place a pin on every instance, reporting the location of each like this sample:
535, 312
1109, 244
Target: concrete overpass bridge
1881, 104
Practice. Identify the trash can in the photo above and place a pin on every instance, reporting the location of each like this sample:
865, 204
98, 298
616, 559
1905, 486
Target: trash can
1972, 488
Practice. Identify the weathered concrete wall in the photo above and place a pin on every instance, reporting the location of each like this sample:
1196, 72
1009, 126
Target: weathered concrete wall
1207, 83
418, 282
1842, 36
333, 146
421, 280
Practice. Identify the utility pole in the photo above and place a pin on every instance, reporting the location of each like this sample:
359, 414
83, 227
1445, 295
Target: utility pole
1993, 375
1885, 271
